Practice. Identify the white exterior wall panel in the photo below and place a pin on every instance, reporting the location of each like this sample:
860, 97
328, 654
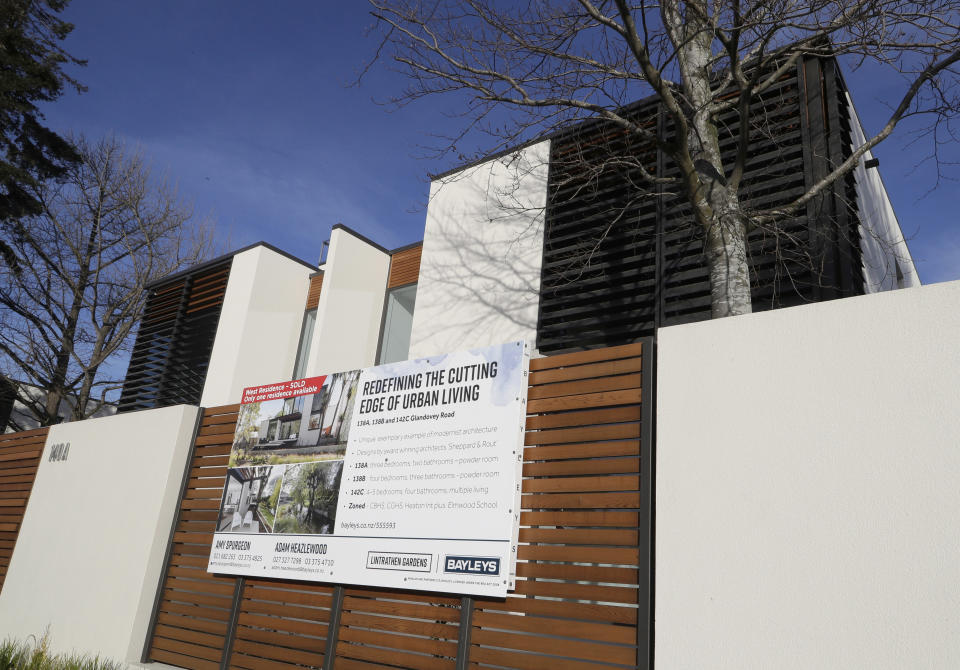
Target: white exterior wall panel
94, 535
807, 487
259, 326
482, 252
881, 239
351, 305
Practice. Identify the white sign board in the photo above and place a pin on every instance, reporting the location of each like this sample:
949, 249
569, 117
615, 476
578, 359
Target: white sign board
404, 475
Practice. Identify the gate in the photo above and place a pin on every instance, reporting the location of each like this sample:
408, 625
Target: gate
583, 598
19, 459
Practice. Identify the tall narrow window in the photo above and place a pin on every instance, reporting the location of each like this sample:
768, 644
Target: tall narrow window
303, 350
397, 322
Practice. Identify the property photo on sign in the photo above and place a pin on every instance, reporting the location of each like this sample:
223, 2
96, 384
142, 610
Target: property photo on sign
308, 498
250, 500
405, 475
313, 424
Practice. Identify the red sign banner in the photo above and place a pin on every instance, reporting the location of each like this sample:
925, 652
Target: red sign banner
291, 389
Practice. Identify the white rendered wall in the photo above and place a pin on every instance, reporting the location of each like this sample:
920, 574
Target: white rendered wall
91, 546
351, 305
482, 252
881, 239
259, 326
808, 487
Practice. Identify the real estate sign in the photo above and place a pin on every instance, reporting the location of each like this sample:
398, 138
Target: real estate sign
404, 475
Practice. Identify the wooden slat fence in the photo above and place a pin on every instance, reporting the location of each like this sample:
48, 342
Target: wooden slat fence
195, 609
19, 459
575, 605
381, 629
582, 599
281, 624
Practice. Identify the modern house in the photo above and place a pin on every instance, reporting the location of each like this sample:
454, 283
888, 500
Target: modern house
784, 482
530, 245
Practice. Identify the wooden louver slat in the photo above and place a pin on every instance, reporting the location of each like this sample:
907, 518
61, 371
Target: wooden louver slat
171, 354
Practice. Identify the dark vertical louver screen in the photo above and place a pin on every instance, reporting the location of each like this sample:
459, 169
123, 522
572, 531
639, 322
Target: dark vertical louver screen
623, 257
8, 394
172, 351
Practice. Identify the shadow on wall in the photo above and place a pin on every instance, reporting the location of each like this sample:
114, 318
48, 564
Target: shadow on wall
483, 246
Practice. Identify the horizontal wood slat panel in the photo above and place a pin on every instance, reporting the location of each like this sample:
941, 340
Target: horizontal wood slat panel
405, 266
589, 651
390, 658
194, 608
282, 621
417, 630
528, 661
577, 570
587, 386
589, 356
582, 372
20, 455
313, 293
559, 627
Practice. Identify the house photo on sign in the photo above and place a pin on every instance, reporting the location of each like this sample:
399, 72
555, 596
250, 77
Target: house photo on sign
405, 475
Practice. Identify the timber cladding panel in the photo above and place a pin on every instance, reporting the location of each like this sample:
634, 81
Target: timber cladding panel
582, 598
405, 266
313, 293
19, 459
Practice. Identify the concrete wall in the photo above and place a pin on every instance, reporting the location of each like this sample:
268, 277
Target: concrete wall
259, 326
92, 543
881, 240
482, 252
351, 305
808, 503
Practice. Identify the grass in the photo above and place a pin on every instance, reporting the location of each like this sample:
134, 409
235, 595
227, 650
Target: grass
34, 654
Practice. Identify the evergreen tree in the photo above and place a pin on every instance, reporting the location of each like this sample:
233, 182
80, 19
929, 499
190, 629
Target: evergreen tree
31, 72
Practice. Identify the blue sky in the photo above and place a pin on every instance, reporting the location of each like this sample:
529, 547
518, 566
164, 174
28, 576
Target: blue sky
246, 105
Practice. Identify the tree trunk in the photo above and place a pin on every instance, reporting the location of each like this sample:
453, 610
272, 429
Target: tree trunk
726, 251
716, 204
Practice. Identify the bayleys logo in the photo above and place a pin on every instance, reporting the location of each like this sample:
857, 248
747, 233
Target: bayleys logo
472, 565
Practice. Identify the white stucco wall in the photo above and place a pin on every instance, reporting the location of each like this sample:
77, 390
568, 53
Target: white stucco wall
351, 305
881, 239
808, 487
482, 253
91, 546
259, 326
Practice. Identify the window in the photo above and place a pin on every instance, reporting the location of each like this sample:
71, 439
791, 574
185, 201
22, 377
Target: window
303, 349
397, 322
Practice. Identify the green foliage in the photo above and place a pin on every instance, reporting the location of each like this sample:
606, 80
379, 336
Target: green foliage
31, 72
248, 424
35, 654
275, 496
287, 522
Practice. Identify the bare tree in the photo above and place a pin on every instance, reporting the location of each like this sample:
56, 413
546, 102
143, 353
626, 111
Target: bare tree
546, 63
105, 231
